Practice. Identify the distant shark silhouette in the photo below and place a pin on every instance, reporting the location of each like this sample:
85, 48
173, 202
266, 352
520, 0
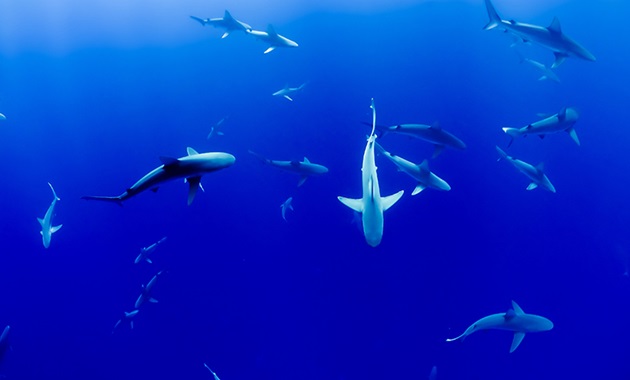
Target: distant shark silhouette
304, 168
514, 320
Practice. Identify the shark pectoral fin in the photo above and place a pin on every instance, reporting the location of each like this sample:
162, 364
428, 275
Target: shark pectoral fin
543, 77
227, 33
288, 98
559, 59
41, 221
193, 185
532, 186
420, 187
355, 204
438, 149
302, 180
574, 136
269, 49
149, 260
153, 300
518, 338
55, 228
391, 200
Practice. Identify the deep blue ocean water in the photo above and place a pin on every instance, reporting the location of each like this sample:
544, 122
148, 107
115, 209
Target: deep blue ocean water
254, 296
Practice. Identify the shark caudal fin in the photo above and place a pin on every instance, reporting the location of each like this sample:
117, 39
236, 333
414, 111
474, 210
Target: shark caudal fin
53, 191
464, 335
495, 19
118, 200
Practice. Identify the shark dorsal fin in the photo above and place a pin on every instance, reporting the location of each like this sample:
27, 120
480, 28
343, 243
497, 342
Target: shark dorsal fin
271, 31
191, 151
424, 165
562, 114
436, 126
517, 309
555, 26
541, 166
227, 15
169, 161
306, 161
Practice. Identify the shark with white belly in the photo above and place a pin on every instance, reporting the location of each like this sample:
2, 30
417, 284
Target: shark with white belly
371, 205
550, 37
46, 222
563, 121
190, 167
227, 22
535, 173
274, 39
514, 320
421, 173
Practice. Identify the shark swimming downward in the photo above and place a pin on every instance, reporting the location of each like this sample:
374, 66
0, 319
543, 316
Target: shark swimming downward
190, 167
46, 221
371, 205
514, 320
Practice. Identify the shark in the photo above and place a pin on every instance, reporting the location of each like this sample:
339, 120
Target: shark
421, 173
562, 121
514, 320
274, 39
146, 251
216, 129
145, 295
190, 167
286, 205
550, 37
286, 91
126, 317
304, 168
227, 22
535, 173
433, 134
4, 342
2, 117
214, 374
371, 205
46, 222
547, 72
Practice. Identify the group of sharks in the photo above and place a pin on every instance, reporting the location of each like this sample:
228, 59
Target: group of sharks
371, 205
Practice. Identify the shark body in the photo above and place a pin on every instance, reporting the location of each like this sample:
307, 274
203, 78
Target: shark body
535, 173
371, 205
563, 121
421, 173
190, 167
515, 319
550, 37
46, 222
227, 22
272, 38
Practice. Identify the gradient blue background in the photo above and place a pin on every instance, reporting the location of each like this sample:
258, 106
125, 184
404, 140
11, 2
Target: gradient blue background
92, 104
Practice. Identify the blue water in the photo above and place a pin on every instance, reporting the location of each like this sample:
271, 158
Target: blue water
257, 297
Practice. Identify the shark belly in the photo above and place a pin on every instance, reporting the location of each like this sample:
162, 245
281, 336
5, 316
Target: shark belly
372, 218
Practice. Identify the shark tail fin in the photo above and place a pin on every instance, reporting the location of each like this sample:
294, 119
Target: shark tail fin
53, 191
117, 200
512, 132
495, 19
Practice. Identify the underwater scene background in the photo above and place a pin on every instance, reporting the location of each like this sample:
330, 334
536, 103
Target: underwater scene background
95, 92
